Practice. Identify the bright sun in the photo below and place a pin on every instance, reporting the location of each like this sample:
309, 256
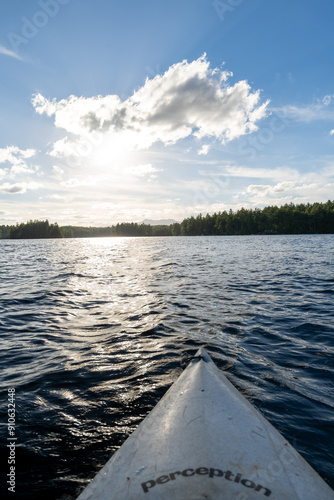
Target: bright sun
111, 150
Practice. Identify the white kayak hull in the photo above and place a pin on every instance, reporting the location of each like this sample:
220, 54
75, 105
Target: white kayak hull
204, 440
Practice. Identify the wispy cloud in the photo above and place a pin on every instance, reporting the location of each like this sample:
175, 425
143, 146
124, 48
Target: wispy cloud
322, 109
10, 53
275, 174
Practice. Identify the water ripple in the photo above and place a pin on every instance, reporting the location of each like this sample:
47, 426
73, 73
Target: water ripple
93, 331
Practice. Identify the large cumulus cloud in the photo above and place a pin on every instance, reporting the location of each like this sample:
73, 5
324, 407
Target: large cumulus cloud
188, 99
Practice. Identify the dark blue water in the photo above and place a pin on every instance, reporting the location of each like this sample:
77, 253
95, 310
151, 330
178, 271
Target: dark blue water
93, 331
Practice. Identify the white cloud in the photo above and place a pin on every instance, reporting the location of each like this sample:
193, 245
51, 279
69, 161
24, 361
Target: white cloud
10, 53
23, 168
14, 155
18, 188
42, 105
58, 170
258, 188
300, 188
74, 182
189, 99
281, 187
331, 132
142, 170
204, 149
63, 147
56, 197
17, 158
327, 99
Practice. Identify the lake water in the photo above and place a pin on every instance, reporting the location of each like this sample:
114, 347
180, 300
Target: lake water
93, 331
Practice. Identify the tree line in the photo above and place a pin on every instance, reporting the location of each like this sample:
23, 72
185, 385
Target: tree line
287, 219
34, 229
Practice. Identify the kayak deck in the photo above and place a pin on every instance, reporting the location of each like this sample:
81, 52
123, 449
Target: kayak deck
204, 440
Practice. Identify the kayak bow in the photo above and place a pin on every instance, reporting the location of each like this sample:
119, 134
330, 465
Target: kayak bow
204, 440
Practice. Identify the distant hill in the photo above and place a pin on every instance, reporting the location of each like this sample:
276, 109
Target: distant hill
158, 222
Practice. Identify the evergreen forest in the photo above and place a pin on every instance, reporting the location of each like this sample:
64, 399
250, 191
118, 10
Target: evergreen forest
316, 218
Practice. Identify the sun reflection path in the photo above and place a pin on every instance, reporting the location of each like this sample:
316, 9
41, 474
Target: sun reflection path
111, 287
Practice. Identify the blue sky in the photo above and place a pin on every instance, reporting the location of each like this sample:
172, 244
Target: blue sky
122, 111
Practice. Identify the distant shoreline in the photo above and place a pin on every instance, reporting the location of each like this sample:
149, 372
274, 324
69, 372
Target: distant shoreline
316, 218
